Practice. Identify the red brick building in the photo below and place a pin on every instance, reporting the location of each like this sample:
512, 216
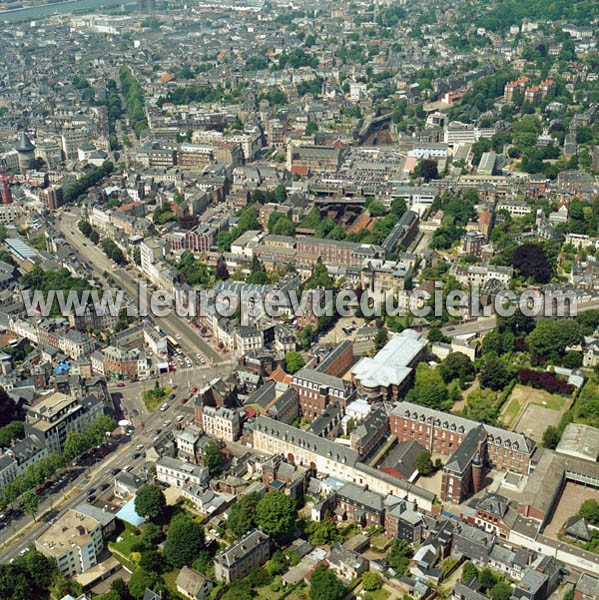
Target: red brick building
316, 390
339, 360
470, 446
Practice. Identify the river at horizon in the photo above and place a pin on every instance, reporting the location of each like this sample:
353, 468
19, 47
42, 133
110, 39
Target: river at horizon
46, 10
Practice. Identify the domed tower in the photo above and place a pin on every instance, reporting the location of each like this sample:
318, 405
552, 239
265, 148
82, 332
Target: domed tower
25, 149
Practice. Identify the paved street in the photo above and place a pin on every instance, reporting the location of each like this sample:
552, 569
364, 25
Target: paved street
128, 398
173, 325
101, 472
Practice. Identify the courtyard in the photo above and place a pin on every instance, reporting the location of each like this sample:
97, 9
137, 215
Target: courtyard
572, 497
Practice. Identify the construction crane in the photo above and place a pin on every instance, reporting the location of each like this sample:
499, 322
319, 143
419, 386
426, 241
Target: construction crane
6, 197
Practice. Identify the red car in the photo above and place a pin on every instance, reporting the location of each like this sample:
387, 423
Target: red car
120, 384
194, 389
184, 400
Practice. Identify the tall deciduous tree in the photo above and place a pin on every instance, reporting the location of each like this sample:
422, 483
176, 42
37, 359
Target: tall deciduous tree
213, 459
142, 580
530, 262
184, 540
30, 503
469, 571
551, 437
294, 361
429, 388
380, 339
399, 556
150, 501
424, 464
457, 366
276, 513
242, 514
494, 374
324, 585
589, 510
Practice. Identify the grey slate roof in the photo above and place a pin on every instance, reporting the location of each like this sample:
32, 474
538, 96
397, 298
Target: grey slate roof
317, 444
323, 379
357, 495
466, 451
233, 553
494, 504
403, 457
579, 528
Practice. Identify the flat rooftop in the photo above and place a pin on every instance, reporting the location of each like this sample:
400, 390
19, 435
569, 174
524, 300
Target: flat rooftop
72, 529
580, 441
52, 404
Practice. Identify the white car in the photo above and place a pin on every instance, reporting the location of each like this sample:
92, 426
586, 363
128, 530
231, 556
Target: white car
167, 423
180, 418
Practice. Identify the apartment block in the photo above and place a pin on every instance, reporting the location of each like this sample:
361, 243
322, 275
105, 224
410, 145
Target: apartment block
74, 541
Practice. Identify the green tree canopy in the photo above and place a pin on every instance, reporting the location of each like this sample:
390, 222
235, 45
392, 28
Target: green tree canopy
494, 374
324, 585
381, 338
469, 571
294, 361
550, 338
589, 510
150, 501
30, 502
424, 464
142, 580
243, 513
322, 532
184, 540
457, 366
213, 459
371, 581
399, 556
551, 437
14, 583
429, 388
276, 513
482, 406
501, 591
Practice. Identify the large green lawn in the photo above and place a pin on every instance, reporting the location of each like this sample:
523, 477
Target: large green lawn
511, 412
381, 594
553, 402
267, 592
130, 536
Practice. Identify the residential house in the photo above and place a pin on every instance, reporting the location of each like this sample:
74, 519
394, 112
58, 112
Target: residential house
192, 584
251, 551
346, 564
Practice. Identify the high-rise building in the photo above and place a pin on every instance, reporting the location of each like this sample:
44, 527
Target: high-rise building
52, 197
